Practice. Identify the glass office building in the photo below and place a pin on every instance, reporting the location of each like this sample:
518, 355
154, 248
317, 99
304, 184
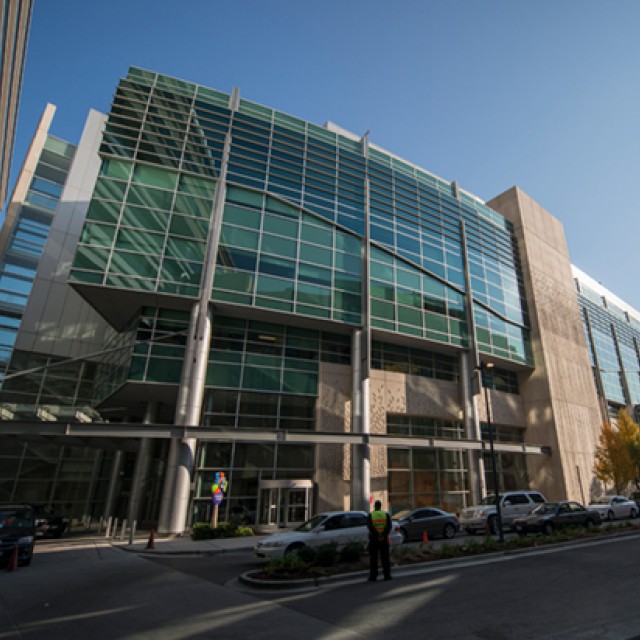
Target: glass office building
15, 22
349, 300
612, 328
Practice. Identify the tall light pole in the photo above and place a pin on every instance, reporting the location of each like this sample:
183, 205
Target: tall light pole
487, 366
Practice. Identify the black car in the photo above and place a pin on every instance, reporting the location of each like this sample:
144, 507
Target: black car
430, 520
17, 529
49, 523
545, 518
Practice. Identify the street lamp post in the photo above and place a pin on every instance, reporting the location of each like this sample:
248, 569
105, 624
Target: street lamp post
484, 366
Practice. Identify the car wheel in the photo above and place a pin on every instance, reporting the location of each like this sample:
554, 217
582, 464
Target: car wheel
405, 536
547, 529
610, 516
632, 514
294, 548
493, 525
449, 531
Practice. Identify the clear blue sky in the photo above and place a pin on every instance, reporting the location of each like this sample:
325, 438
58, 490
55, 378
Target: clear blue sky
492, 93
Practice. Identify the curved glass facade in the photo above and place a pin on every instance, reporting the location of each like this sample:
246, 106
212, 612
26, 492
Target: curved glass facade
299, 202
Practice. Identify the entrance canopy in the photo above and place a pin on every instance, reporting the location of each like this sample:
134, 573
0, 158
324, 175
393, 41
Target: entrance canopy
125, 436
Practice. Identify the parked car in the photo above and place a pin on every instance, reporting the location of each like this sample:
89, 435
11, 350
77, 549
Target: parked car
547, 517
513, 504
435, 522
340, 527
49, 523
17, 528
611, 507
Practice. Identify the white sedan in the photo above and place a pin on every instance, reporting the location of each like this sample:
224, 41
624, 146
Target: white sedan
611, 507
340, 527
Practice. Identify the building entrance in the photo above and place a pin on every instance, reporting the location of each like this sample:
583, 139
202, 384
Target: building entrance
284, 503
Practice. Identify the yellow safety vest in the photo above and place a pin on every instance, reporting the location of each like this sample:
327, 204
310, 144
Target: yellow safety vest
379, 520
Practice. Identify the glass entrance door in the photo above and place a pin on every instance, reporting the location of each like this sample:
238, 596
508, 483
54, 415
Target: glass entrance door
269, 499
297, 509
284, 503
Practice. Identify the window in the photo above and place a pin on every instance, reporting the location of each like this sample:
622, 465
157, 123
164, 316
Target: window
335, 522
354, 520
516, 498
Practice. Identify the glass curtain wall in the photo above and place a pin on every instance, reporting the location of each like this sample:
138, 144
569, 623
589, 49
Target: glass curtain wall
28, 237
613, 337
294, 221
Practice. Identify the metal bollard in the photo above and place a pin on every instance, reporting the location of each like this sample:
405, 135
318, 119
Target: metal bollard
106, 535
132, 532
124, 526
115, 527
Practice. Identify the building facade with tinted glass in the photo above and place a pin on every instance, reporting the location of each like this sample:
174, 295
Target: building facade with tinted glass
15, 21
294, 306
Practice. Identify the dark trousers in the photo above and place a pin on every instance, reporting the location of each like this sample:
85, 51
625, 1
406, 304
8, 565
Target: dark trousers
379, 548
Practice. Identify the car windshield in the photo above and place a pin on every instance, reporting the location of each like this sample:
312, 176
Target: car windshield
604, 500
545, 508
10, 518
402, 514
488, 500
309, 525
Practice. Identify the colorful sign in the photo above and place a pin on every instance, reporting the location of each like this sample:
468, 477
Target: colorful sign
219, 487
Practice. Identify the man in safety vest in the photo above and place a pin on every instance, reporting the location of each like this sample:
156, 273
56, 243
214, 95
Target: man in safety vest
379, 525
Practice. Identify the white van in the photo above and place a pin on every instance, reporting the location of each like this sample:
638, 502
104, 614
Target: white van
513, 504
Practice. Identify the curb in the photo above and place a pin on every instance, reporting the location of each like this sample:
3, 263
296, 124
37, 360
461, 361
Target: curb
175, 552
247, 580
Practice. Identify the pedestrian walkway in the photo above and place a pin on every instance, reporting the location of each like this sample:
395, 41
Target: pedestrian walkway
184, 545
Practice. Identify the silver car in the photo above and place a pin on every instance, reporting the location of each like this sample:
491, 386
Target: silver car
433, 522
339, 527
612, 507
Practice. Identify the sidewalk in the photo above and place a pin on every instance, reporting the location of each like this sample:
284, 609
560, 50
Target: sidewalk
184, 545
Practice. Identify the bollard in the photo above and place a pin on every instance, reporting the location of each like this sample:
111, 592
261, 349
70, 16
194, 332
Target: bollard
124, 527
132, 532
115, 527
108, 530
100, 523
13, 561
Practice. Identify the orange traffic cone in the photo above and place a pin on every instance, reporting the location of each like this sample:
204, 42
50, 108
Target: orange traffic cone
151, 544
13, 561
425, 537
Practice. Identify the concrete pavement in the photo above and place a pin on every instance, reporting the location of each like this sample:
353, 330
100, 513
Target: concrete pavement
182, 545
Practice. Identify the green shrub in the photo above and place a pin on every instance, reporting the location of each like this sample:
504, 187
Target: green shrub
201, 531
326, 555
451, 551
351, 552
290, 565
226, 530
204, 531
307, 554
242, 531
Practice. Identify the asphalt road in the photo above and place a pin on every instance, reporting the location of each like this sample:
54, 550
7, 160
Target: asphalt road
588, 591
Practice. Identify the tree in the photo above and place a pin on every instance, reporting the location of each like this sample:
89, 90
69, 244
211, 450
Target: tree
630, 434
618, 453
